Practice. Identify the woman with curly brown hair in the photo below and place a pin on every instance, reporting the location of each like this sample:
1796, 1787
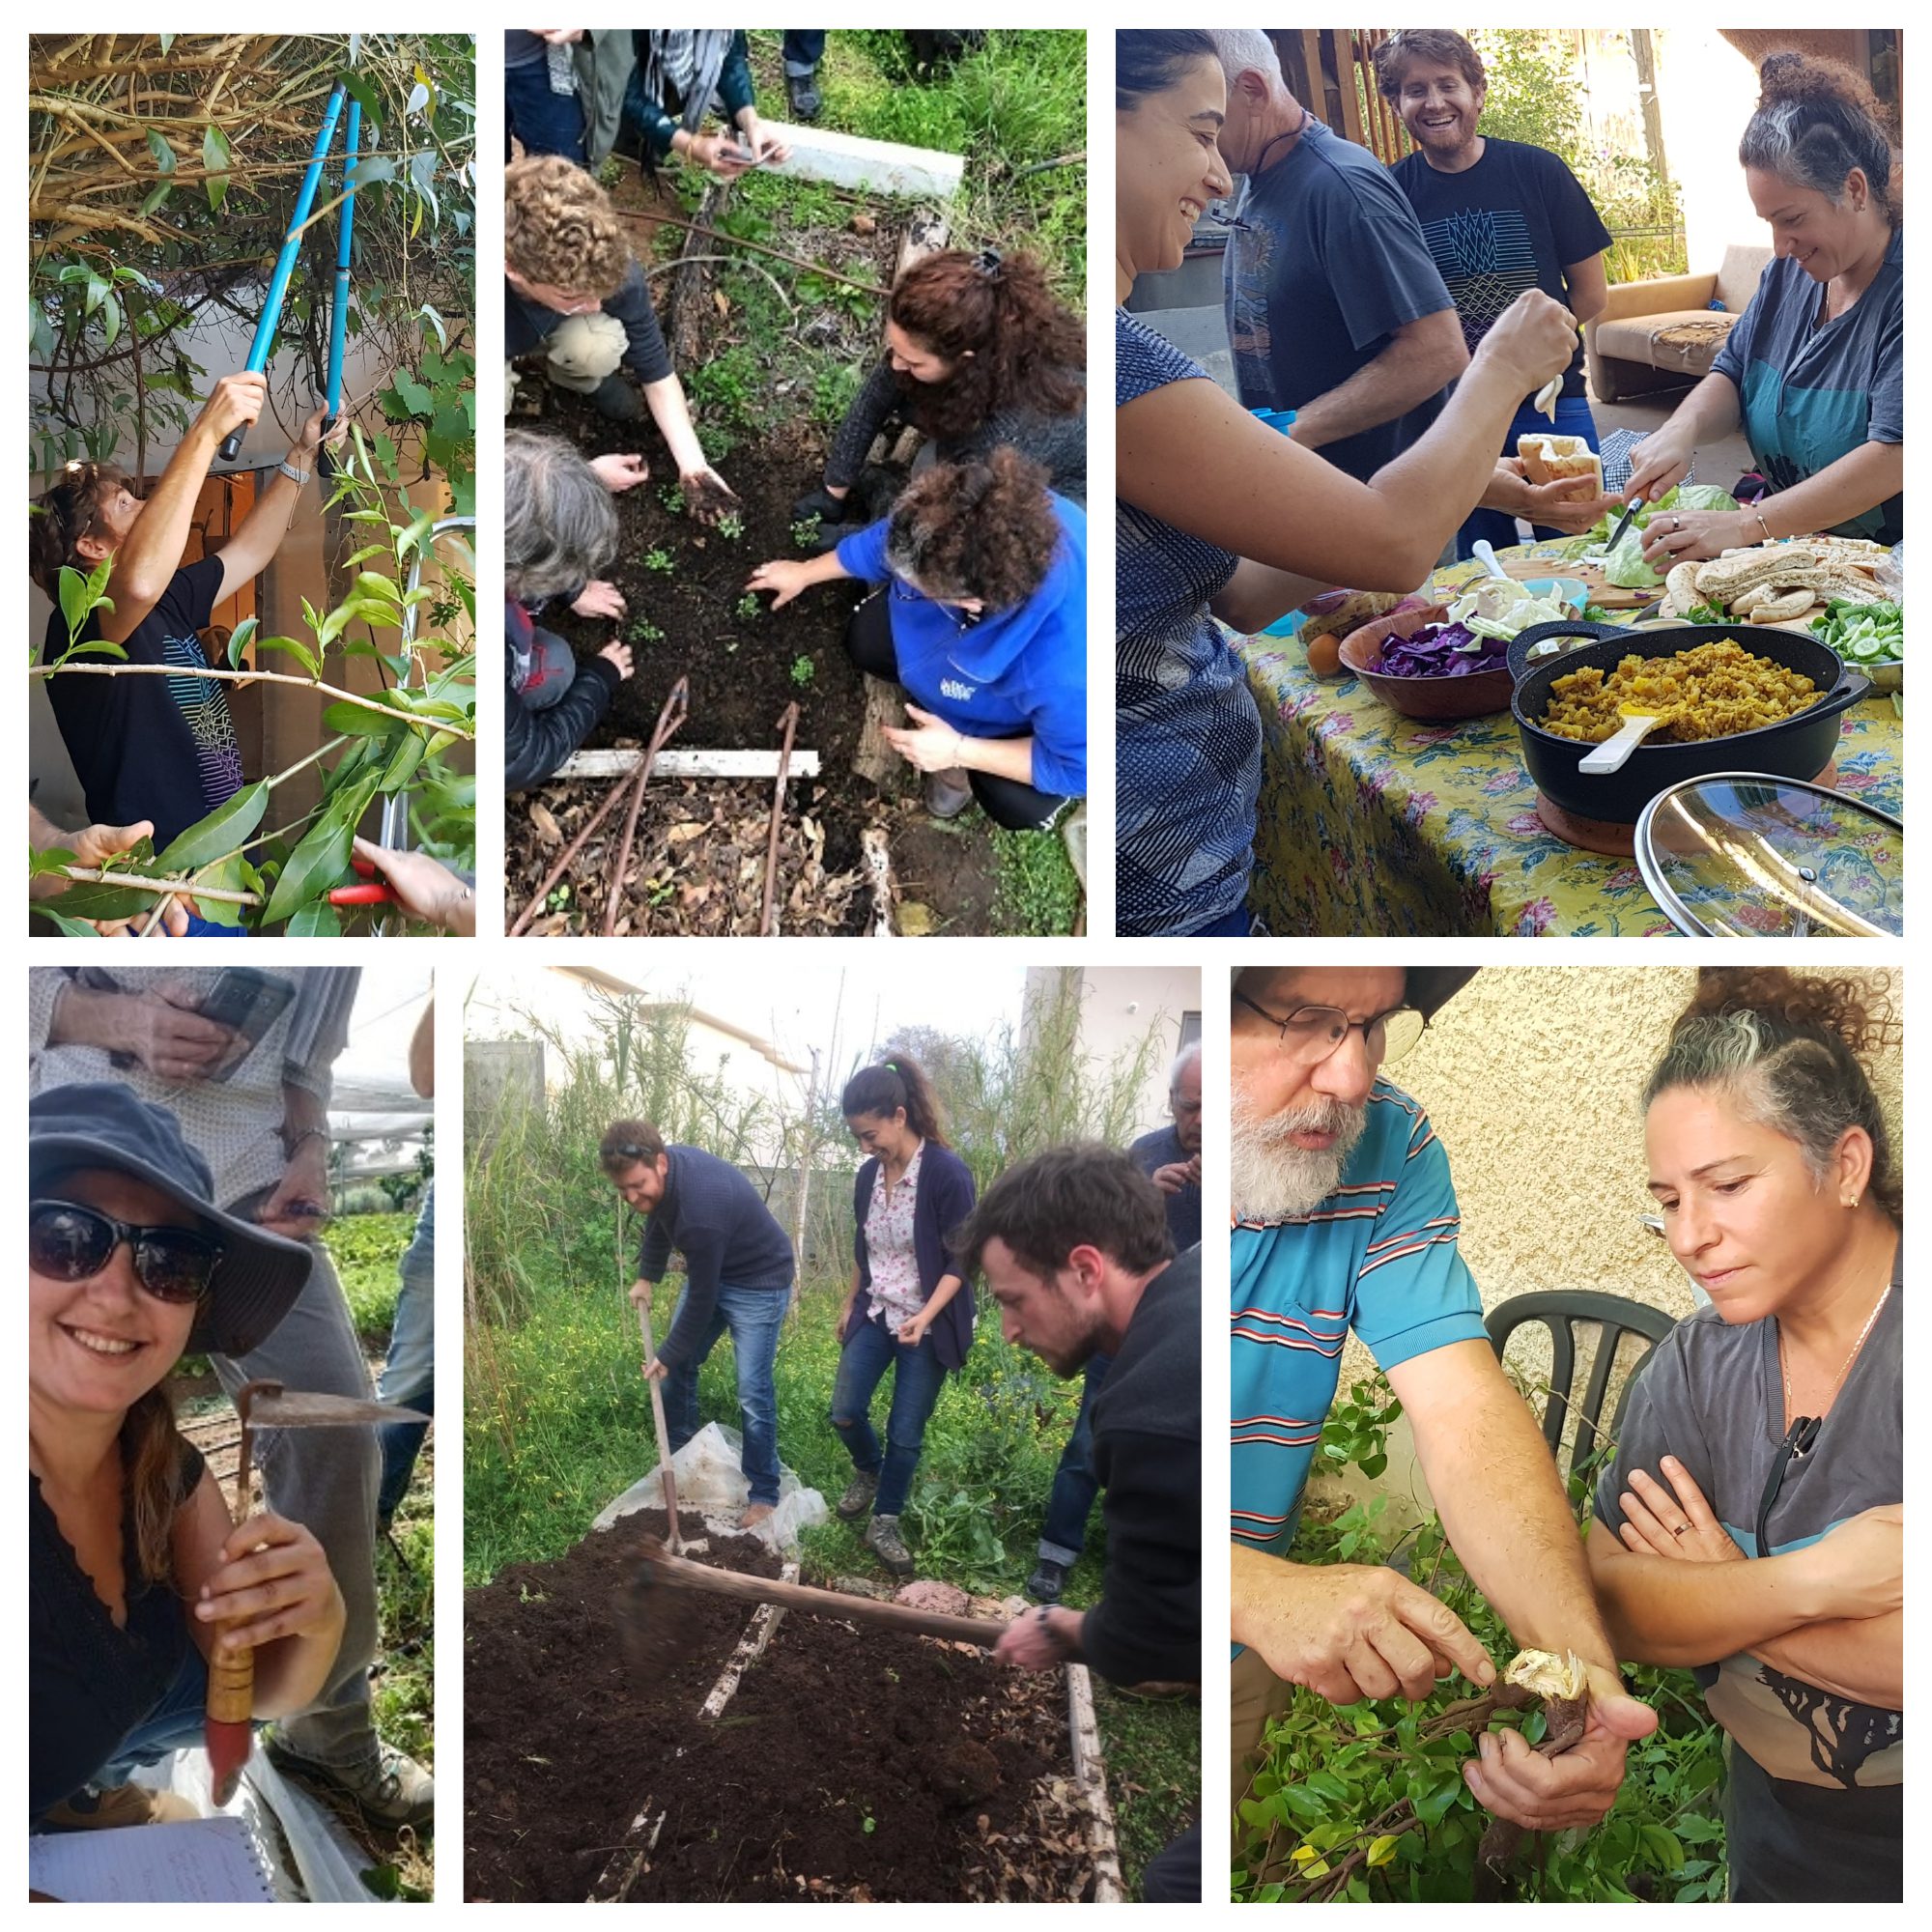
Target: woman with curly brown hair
1752, 1527
978, 353
1814, 370
980, 615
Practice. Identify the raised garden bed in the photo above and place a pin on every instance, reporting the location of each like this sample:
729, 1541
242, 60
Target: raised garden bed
848, 1764
769, 356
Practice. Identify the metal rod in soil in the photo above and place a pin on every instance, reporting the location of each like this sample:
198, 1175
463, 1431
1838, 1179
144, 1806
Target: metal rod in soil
676, 708
755, 247
789, 722
576, 846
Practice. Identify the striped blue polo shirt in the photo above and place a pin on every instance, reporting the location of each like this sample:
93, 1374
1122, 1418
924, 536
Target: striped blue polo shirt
1377, 1255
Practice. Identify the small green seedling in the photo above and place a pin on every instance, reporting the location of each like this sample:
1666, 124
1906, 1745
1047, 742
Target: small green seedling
612, 171
645, 632
672, 499
803, 671
805, 532
731, 526
661, 560
559, 897
748, 606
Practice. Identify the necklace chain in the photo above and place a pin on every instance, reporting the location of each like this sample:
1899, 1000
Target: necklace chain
1837, 1383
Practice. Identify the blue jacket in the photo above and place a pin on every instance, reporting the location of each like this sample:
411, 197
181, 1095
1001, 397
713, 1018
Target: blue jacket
1015, 671
944, 1201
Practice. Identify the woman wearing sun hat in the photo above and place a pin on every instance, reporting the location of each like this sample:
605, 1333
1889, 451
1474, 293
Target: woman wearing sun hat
135, 1571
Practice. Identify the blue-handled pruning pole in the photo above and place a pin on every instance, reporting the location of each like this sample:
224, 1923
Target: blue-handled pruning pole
338, 313
285, 263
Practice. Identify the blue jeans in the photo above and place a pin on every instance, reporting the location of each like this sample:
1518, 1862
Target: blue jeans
545, 123
408, 1375
1572, 418
1075, 1483
175, 1724
803, 49
868, 1352
752, 1316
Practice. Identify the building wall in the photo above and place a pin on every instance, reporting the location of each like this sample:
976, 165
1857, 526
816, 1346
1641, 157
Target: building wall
1119, 1004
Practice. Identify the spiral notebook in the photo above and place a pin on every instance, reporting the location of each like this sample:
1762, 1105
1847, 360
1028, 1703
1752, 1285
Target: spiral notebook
212, 1861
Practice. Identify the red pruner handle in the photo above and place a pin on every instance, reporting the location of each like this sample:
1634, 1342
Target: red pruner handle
360, 895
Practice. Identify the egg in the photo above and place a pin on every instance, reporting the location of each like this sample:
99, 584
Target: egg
1325, 654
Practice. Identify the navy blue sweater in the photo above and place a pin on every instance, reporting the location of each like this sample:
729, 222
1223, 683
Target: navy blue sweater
719, 1222
944, 1201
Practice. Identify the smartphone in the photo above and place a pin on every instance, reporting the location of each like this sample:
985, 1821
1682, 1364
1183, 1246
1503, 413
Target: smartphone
248, 1002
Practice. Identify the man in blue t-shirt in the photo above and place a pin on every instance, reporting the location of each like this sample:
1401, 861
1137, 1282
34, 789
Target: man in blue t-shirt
1345, 1218
161, 748
1499, 218
1335, 309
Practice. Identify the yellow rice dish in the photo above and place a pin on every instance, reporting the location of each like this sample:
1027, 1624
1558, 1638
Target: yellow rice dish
1711, 691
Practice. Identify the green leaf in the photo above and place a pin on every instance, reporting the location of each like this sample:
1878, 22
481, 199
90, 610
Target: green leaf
74, 928
1433, 1806
1662, 1848
50, 858
381, 587
75, 601
1383, 1851
215, 153
319, 861
153, 198
224, 828
295, 649
1326, 1784
84, 901
164, 155
239, 643
403, 763
360, 721
232, 875
316, 920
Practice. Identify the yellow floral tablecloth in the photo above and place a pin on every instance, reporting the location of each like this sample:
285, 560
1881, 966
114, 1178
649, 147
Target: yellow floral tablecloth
1373, 823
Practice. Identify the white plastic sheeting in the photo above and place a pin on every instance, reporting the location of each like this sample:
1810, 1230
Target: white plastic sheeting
711, 1485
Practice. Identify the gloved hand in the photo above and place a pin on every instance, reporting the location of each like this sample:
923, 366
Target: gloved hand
820, 503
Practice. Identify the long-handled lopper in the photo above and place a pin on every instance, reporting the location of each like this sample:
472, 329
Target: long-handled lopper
227, 1728
339, 310
285, 262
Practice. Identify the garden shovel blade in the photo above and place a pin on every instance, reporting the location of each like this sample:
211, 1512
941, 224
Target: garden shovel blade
275, 1408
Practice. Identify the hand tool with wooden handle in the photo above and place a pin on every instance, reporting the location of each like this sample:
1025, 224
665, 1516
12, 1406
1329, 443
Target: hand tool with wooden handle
656, 1386
227, 1727
662, 1584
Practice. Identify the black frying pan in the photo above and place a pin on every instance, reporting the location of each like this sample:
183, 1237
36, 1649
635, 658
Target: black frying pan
1794, 748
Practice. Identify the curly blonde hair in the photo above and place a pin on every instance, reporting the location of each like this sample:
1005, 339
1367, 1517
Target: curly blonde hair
562, 229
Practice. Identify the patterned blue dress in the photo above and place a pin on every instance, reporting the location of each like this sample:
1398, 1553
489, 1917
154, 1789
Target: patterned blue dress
1187, 736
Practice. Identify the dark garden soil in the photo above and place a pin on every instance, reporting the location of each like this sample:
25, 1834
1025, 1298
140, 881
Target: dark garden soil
686, 583
850, 1764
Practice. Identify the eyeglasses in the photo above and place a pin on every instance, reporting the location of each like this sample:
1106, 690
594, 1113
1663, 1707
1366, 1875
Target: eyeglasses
67, 1241
1313, 1034
626, 1153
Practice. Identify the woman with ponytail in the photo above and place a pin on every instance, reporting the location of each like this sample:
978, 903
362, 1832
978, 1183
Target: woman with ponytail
136, 1577
1752, 1527
910, 1310
1814, 369
978, 353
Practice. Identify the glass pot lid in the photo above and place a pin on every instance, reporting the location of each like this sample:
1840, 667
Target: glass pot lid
1738, 855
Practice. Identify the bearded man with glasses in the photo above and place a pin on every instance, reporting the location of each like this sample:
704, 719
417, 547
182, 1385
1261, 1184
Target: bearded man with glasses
1344, 1217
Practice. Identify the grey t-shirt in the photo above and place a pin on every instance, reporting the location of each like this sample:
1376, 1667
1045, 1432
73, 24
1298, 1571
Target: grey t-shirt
1326, 263
1712, 1395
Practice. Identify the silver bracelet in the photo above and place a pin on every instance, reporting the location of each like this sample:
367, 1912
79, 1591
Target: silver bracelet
1763, 526
290, 470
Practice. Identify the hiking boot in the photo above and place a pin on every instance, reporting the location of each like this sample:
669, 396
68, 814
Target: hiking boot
616, 401
947, 793
754, 1514
389, 1788
1047, 1580
859, 1495
801, 96
884, 1541
92, 1808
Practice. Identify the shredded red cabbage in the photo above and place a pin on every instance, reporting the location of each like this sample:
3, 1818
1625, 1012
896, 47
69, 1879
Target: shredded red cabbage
1434, 653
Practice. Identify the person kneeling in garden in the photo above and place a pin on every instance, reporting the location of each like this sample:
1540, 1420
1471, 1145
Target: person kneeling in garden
575, 290
1074, 1248
559, 527
981, 616
144, 746
1345, 1218
130, 1266
737, 1278
978, 353
910, 1310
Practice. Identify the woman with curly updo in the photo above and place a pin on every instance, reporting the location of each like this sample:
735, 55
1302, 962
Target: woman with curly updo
575, 290
1752, 1528
980, 615
978, 353
1814, 369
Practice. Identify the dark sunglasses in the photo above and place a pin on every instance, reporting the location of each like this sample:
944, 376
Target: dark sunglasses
67, 1241
625, 1154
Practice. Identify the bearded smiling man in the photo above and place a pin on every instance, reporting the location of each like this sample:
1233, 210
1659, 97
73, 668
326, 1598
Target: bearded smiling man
1345, 1218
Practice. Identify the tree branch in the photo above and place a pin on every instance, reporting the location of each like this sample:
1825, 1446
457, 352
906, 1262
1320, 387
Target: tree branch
92, 875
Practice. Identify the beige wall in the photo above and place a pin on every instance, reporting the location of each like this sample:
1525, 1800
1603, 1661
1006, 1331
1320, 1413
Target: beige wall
1118, 1005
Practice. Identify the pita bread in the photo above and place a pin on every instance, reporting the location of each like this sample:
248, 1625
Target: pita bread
1545, 458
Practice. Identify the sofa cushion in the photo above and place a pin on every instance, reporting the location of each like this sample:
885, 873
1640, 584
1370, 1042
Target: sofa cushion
1686, 339
1738, 279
